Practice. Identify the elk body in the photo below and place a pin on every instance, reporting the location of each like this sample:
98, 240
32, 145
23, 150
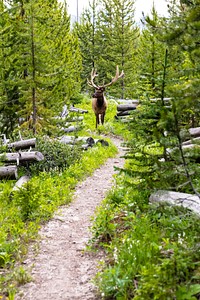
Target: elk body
99, 102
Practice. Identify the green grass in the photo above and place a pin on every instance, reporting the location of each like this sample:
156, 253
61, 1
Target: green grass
111, 125
152, 251
22, 212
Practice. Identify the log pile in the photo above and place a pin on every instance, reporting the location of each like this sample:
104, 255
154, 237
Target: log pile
23, 155
192, 141
69, 125
126, 107
189, 201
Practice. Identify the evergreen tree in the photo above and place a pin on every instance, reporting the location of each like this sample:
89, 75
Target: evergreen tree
85, 30
46, 60
117, 34
9, 89
159, 130
150, 53
183, 32
107, 34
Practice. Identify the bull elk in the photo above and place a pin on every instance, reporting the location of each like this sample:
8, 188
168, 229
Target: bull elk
99, 102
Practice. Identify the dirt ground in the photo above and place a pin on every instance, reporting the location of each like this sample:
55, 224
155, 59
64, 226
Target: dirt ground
62, 268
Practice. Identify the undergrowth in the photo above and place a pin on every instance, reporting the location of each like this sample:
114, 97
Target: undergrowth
23, 211
152, 251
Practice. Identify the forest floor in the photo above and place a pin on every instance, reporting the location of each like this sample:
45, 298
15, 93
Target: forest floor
60, 265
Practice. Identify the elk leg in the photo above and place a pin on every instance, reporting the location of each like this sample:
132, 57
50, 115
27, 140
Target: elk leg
97, 120
102, 118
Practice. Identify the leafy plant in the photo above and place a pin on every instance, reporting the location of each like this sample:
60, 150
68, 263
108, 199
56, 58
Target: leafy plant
152, 251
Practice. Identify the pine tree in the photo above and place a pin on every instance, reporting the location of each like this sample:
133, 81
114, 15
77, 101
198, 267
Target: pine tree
163, 128
107, 34
85, 30
150, 53
45, 61
118, 33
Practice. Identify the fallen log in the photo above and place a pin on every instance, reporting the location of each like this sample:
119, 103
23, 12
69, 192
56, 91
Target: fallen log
8, 172
124, 113
189, 201
159, 99
76, 119
124, 107
185, 147
87, 141
24, 144
128, 101
195, 132
78, 110
67, 139
70, 129
19, 184
21, 156
193, 141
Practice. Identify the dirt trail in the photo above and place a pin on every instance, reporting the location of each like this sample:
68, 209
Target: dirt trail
62, 270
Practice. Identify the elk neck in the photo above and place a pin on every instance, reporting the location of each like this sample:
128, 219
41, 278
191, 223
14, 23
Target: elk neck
100, 98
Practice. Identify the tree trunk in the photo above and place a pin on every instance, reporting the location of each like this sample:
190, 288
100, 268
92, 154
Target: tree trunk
67, 139
128, 101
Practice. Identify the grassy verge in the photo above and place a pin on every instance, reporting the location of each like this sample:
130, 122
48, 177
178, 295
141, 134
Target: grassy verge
152, 251
24, 211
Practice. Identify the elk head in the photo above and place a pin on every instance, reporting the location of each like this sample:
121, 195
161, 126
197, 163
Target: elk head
99, 102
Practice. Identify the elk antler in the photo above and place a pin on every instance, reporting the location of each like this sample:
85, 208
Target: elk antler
91, 82
94, 74
117, 76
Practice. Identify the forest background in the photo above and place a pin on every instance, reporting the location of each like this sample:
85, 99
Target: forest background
45, 63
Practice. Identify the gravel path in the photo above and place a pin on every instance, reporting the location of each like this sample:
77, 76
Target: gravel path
62, 269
